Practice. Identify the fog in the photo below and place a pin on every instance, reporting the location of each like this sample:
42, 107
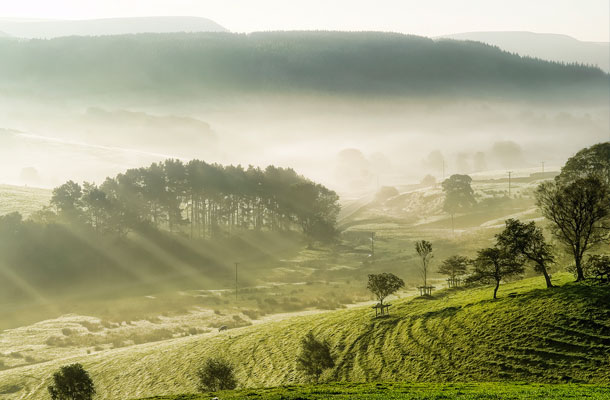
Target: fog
351, 145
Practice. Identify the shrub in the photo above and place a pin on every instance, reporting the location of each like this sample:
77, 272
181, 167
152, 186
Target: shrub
315, 356
216, 374
71, 382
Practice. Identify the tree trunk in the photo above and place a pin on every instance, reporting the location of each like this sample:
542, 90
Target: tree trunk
496, 289
547, 278
580, 276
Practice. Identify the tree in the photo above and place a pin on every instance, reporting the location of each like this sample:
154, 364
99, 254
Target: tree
577, 211
315, 356
216, 374
454, 267
495, 264
458, 195
594, 160
424, 250
71, 382
527, 239
384, 284
67, 201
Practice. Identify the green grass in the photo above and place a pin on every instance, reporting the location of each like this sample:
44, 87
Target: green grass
23, 199
534, 335
405, 391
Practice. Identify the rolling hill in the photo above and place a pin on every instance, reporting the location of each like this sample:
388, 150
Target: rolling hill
546, 46
529, 334
184, 66
23, 199
46, 29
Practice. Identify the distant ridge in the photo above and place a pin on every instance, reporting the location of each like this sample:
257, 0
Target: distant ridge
546, 46
189, 66
47, 29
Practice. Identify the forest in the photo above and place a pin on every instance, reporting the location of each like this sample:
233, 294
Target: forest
212, 65
82, 234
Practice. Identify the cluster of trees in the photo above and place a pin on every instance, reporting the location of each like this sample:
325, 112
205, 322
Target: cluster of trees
577, 206
200, 200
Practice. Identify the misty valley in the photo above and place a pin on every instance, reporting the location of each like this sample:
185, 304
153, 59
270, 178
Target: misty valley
190, 212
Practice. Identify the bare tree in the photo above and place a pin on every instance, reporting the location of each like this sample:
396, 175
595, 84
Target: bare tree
424, 250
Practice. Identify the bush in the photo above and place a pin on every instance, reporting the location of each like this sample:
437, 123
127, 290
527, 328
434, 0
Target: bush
216, 374
71, 382
598, 268
315, 356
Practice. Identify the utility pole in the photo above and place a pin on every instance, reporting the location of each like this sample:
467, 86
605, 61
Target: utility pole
236, 264
509, 173
373, 245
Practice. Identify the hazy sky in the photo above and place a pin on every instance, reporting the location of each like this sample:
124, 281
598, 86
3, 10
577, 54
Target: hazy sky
582, 19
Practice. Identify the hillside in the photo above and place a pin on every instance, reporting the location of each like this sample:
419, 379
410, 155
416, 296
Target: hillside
529, 334
546, 46
209, 65
23, 199
411, 391
46, 29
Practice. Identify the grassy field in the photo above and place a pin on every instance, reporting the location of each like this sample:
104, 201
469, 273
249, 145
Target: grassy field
408, 391
529, 334
23, 199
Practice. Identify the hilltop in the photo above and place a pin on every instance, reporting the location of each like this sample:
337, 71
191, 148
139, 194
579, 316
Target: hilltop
200, 66
529, 334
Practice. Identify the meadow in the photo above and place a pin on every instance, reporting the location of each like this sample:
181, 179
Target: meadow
530, 334
412, 391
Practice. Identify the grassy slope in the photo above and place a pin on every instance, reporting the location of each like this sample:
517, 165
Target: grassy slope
23, 199
538, 335
406, 391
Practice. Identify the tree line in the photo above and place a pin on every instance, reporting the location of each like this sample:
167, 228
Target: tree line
200, 200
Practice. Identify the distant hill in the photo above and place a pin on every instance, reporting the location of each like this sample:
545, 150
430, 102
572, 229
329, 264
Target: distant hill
208, 65
45, 29
546, 46
3, 34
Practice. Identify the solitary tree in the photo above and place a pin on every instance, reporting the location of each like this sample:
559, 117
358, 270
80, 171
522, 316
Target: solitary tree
216, 374
424, 250
577, 211
526, 239
71, 382
315, 356
458, 195
454, 267
495, 264
384, 284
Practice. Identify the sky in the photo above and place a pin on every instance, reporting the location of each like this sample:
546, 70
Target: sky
582, 19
